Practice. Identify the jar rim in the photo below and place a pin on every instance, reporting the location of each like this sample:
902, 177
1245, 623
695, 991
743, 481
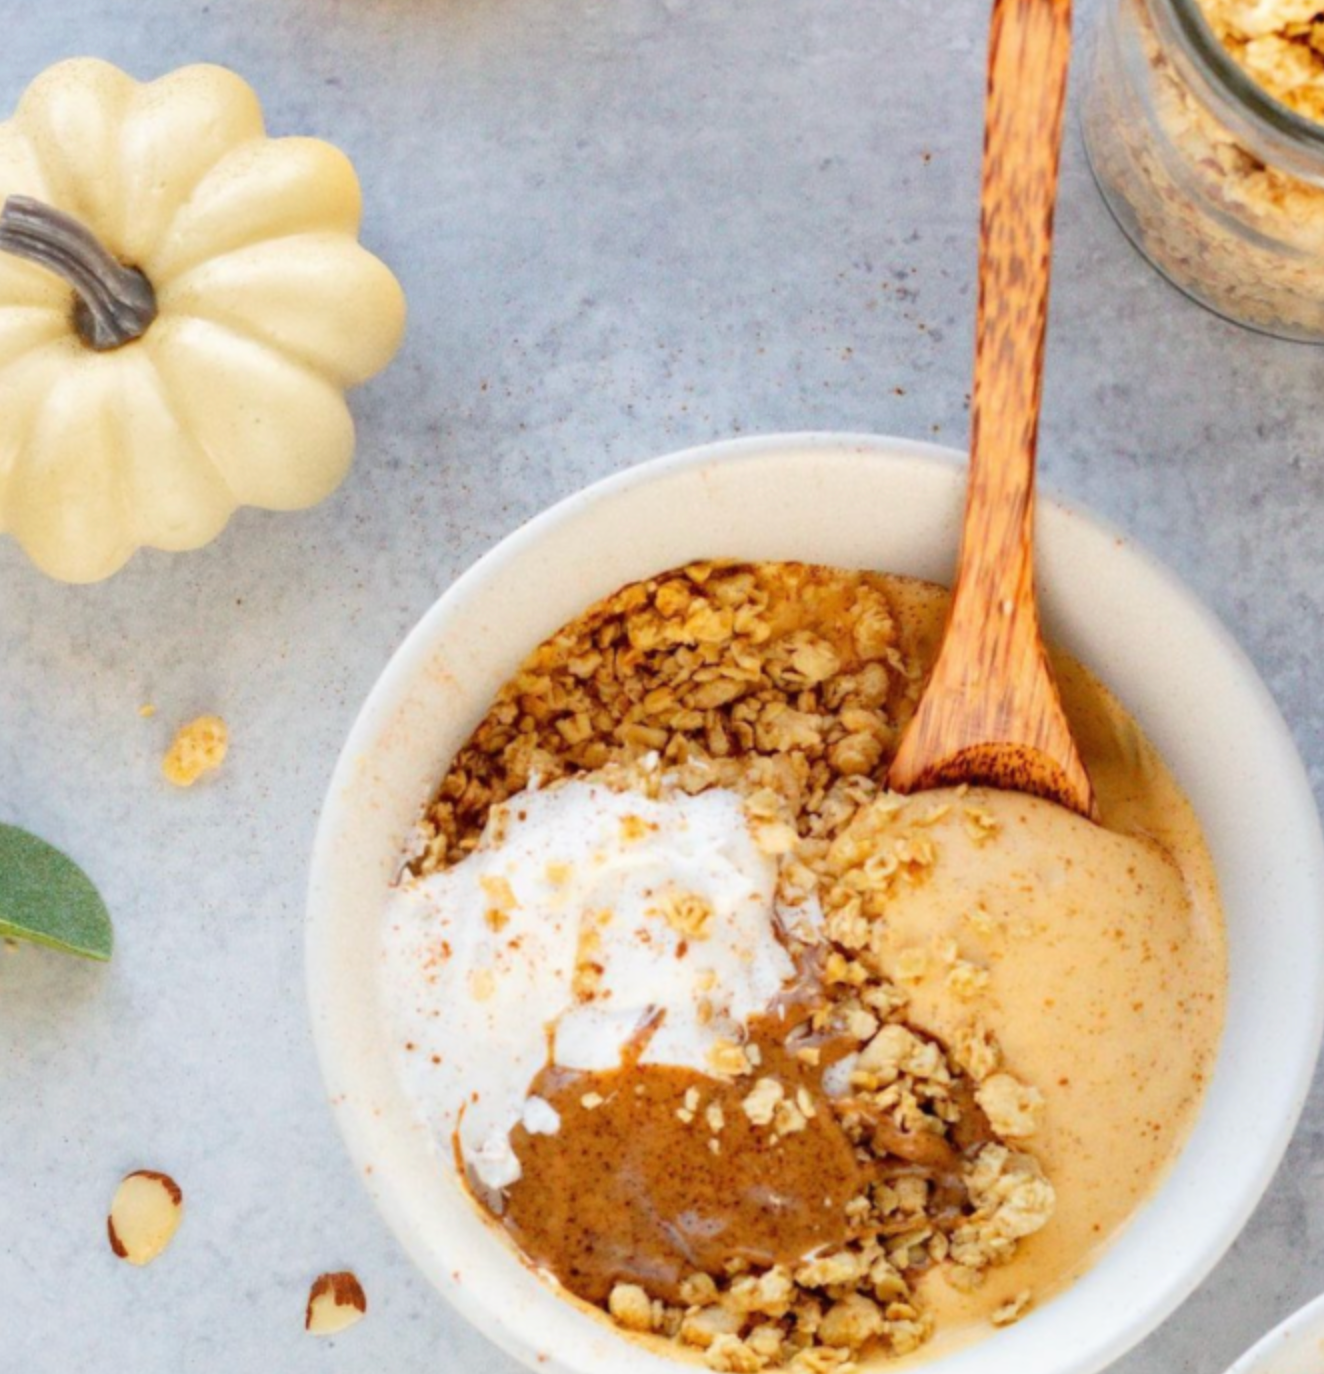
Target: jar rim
1228, 77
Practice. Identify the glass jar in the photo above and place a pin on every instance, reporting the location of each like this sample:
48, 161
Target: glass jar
1219, 185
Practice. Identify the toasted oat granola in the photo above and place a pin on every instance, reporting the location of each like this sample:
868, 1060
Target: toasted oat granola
799, 675
1279, 44
789, 684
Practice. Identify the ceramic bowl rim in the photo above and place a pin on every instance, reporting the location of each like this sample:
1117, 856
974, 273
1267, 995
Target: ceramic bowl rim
1294, 1075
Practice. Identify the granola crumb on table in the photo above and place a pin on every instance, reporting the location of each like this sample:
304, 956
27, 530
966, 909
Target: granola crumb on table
198, 748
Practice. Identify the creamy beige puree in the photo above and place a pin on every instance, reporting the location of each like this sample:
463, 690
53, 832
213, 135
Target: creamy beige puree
1105, 966
1106, 956
1001, 1021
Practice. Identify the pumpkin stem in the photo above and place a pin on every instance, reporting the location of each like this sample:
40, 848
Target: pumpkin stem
115, 303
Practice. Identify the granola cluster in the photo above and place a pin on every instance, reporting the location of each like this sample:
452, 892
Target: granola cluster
933, 1121
945, 1190
789, 684
802, 669
1279, 43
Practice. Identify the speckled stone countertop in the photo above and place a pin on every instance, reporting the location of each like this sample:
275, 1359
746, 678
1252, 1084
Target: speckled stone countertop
624, 228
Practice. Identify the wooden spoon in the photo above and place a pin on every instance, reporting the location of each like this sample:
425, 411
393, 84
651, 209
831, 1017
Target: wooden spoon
991, 712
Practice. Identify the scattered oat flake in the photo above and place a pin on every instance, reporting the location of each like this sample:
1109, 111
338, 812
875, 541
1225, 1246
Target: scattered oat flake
728, 1060
761, 1103
198, 748
630, 1307
687, 913
1013, 1309
499, 891
982, 921
335, 1302
1014, 1109
911, 965
634, 828
967, 979
947, 950
981, 825
147, 711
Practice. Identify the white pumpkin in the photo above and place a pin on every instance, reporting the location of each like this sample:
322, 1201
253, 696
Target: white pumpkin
266, 309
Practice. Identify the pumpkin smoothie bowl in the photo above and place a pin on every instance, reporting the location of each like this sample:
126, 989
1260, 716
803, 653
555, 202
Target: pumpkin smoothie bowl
763, 1059
737, 1055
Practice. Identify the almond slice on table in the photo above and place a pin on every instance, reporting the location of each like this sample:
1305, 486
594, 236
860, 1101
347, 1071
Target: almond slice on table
144, 1215
335, 1302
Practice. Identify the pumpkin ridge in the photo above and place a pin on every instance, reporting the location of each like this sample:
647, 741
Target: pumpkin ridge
244, 336
310, 167
19, 420
151, 101
31, 179
57, 323
165, 388
206, 482
113, 536
113, 90
32, 357
207, 360
175, 279
115, 421
174, 276
333, 349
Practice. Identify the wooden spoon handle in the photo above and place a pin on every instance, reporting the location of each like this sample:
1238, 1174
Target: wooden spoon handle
991, 710
1022, 150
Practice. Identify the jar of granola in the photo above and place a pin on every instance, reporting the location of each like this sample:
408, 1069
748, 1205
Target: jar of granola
1204, 122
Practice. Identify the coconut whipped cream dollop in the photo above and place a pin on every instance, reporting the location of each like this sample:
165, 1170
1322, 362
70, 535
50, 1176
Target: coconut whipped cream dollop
609, 919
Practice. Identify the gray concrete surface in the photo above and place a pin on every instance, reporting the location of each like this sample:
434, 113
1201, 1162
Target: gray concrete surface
624, 228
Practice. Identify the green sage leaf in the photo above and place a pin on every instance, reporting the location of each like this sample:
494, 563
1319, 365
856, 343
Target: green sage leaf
46, 898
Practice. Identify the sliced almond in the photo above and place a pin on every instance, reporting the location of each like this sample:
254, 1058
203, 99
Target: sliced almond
335, 1301
144, 1215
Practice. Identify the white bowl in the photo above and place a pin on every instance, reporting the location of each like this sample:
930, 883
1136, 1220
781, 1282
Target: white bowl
853, 502
1295, 1347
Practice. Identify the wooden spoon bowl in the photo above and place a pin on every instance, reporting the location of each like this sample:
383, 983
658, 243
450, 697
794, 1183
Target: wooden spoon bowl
991, 712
